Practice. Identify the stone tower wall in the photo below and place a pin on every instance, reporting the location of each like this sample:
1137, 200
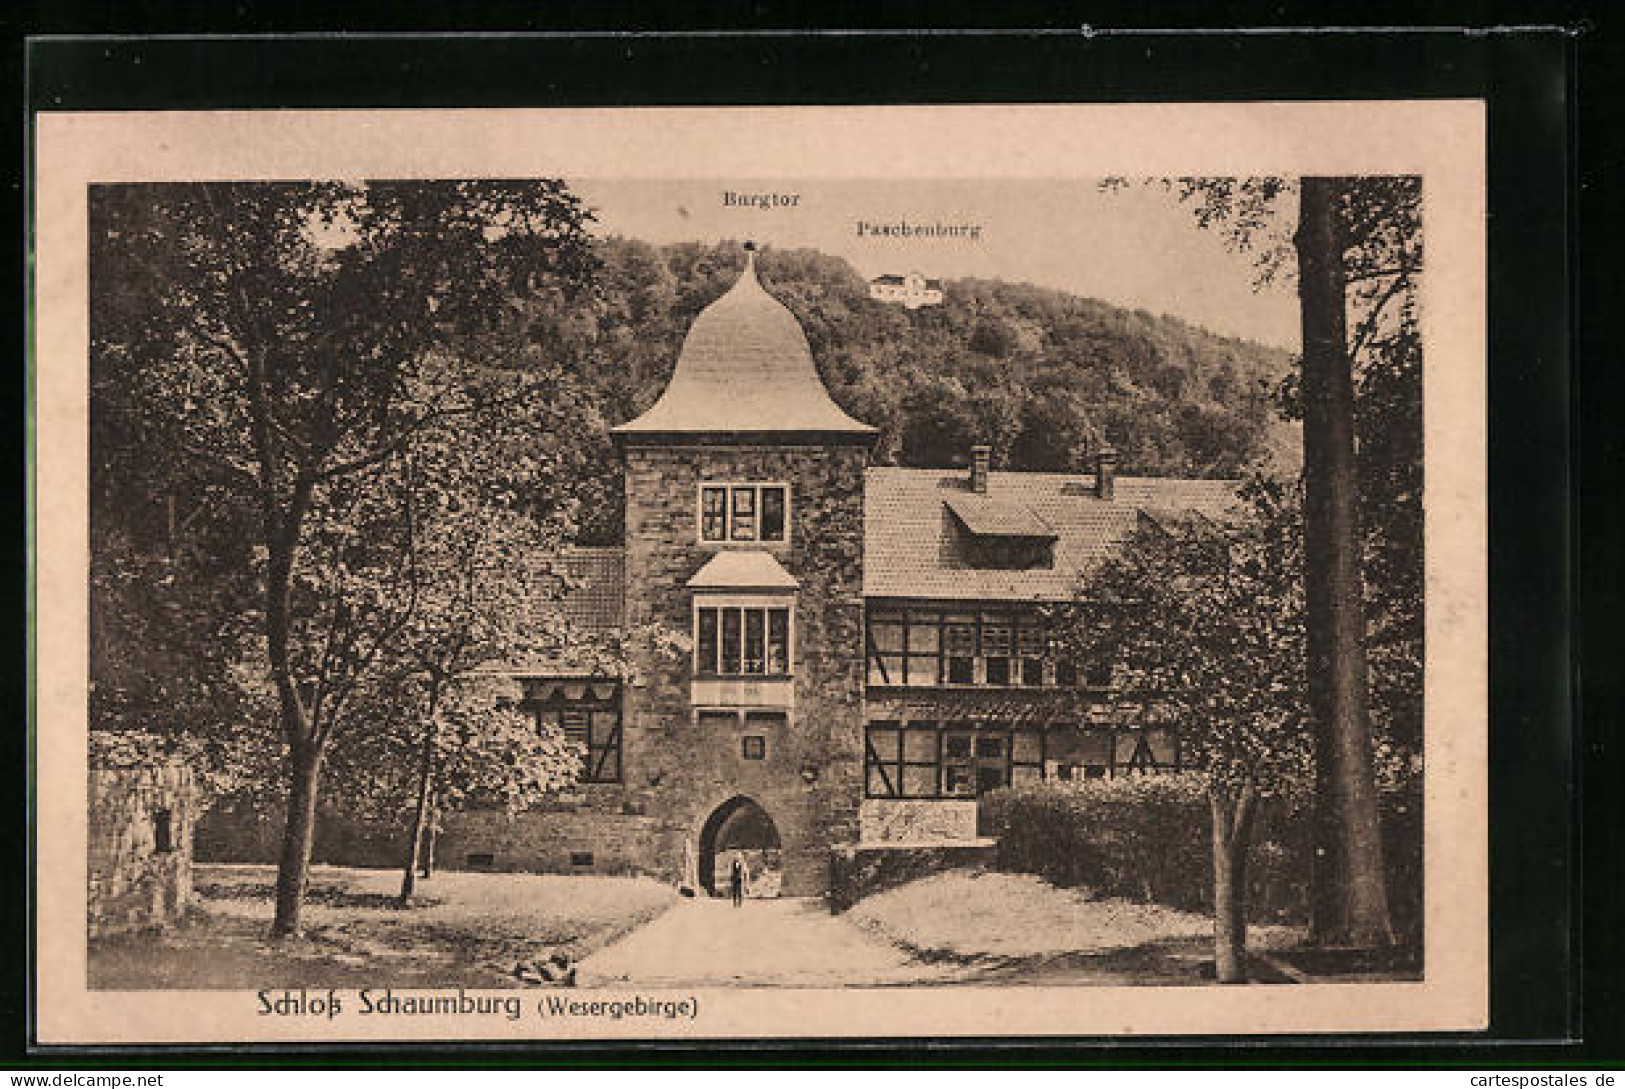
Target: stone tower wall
679, 769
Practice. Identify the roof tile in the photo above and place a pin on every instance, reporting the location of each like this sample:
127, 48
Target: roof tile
910, 549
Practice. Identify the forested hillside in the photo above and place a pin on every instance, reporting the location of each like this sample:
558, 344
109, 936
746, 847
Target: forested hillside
1042, 376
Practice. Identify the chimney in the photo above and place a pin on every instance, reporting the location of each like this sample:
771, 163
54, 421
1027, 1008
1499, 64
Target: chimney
979, 458
1105, 473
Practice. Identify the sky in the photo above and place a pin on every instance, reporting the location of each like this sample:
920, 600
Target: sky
1134, 247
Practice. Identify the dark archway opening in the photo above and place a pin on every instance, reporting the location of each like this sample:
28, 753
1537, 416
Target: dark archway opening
742, 828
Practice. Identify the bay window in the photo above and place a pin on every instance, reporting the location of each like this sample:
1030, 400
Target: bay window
772, 504
778, 641
742, 640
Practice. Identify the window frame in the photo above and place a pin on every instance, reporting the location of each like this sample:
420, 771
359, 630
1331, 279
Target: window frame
743, 606
893, 766
728, 488
956, 775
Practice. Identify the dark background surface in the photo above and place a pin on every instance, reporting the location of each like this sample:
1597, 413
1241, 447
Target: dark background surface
1541, 183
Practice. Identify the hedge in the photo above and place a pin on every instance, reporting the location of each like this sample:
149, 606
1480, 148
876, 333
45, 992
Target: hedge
1146, 837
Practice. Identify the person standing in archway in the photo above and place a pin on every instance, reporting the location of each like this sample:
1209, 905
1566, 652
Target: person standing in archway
736, 879
690, 879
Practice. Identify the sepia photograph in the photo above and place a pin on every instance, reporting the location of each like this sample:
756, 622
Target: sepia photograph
519, 600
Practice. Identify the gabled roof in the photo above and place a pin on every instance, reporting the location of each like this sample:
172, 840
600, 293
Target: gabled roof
912, 536
745, 370
742, 569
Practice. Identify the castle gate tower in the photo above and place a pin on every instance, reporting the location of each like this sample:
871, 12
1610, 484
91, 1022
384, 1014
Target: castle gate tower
744, 532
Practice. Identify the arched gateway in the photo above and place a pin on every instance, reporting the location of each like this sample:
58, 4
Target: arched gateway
739, 826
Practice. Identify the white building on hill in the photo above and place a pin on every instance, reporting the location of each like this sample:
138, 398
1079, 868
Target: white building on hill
913, 290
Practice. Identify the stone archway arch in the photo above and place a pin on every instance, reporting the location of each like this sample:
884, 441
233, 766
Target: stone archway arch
739, 823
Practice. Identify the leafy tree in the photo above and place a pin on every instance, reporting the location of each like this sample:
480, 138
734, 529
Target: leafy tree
474, 556
429, 747
939, 427
1356, 253
170, 563
1056, 433
442, 730
1205, 626
994, 337
301, 332
1350, 904
486, 589
162, 639
1384, 268
491, 754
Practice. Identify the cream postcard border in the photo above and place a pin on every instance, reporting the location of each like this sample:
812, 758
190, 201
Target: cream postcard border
1443, 141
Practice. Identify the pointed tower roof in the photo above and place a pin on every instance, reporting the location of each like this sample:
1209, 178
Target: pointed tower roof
745, 373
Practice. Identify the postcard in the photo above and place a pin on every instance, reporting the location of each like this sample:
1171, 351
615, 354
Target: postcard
851, 572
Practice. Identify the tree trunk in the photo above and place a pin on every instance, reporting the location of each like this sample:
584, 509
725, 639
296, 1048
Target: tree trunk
427, 862
1232, 834
299, 833
1348, 884
305, 743
420, 813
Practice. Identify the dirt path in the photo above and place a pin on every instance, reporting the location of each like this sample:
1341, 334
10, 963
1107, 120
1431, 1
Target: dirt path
785, 942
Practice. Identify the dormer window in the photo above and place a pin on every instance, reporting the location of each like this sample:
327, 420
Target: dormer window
1001, 534
744, 513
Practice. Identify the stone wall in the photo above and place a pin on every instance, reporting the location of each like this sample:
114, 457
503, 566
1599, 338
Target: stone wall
544, 840
140, 823
863, 870
550, 842
909, 820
